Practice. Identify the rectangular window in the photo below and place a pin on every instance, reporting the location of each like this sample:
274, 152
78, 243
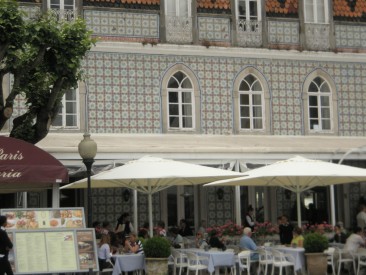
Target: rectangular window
251, 111
249, 10
316, 11
178, 8
68, 116
61, 4
180, 109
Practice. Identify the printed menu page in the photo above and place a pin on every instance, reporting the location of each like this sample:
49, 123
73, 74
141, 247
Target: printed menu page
86, 249
61, 253
31, 255
25, 219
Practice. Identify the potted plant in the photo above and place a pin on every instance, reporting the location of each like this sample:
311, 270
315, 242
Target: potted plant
316, 259
157, 251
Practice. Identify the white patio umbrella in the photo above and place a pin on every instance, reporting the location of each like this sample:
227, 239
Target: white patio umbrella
151, 174
298, 174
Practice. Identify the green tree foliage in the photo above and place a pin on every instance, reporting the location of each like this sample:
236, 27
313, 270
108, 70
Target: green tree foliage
43, 55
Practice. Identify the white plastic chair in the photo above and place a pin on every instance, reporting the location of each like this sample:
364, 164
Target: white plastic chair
330, 258
361, 259
345, 257
281, 261
180, 261
195, 263
265, 260
245, 261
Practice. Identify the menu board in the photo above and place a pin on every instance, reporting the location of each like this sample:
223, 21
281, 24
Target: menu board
43, 218
46, 251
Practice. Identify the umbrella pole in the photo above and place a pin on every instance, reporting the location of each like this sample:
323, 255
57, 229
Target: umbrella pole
150, 214
298, 209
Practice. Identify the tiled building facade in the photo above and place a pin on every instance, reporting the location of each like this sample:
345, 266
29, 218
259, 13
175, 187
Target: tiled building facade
216, 68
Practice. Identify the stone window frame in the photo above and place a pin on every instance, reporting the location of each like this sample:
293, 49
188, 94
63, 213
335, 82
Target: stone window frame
334, 104
265, 104
196, 96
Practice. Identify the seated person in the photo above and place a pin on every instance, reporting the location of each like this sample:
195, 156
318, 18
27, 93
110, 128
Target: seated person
355, 240
214, 241
133, 245
298, 239
177, 241
200, 241
339, 235
104, 252
247, 243
160, 229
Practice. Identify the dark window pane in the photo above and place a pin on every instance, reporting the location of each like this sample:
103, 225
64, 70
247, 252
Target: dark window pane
326, 124
187, 122
173, 110
325, 88
187, 110
257, 111
313, 101
325, 112
179, 76
71, 120
186, 84
71, 107
173, 97
313, 88
173, 122
70, 95
173, 83
324, 101
244, 111
314, 123
57, 121
187, 97
257, 99
244, 99
250, 79
244, 86
313, 112
257, 123
245, 123
257, 86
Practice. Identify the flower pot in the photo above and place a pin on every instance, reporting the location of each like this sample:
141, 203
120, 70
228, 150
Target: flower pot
316, 263
156, 266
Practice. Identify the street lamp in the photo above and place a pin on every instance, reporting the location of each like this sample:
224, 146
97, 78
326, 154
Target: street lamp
87, 150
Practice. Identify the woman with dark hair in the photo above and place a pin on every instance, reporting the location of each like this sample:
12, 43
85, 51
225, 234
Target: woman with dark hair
124, 225
5, 246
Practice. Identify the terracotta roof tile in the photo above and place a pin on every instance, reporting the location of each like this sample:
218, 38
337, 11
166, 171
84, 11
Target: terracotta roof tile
353, 9
214, 4
282, 7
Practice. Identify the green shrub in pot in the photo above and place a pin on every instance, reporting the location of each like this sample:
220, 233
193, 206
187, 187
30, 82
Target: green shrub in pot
315, 243
157, 247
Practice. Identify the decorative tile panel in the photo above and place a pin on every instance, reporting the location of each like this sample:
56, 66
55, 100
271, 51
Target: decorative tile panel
317, 37
111, 23
350, 36
283, 32
178, 29
219, 211
214, 29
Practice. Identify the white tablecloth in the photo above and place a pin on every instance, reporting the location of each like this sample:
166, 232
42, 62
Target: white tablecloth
298, 254
128, 262
215, 258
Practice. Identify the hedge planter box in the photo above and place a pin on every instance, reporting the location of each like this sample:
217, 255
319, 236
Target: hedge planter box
156, 266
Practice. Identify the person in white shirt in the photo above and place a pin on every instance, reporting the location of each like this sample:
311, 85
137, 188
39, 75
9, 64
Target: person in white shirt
361, 217
177, 241
355, 240
104, 252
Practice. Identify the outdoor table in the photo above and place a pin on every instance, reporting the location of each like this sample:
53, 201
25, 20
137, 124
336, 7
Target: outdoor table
128, 262
216, 258
298, 253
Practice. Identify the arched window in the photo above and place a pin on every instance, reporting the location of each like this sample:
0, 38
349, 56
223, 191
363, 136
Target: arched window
319, 104
180, 100
251, 102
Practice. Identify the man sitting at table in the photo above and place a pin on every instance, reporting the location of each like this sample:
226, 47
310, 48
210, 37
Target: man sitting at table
247, 243
133, 245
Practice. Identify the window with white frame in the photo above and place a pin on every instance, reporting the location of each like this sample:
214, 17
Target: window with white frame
320, 100
251, 109
61, 4
68, 116
249, 10
180, 102
316, 11
179, 8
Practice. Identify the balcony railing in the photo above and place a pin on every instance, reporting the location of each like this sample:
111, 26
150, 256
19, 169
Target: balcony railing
68, 15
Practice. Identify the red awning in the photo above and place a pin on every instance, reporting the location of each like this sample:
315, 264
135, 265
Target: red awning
25, 167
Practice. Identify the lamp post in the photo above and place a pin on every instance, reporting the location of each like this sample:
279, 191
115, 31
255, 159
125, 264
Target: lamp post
87, 150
